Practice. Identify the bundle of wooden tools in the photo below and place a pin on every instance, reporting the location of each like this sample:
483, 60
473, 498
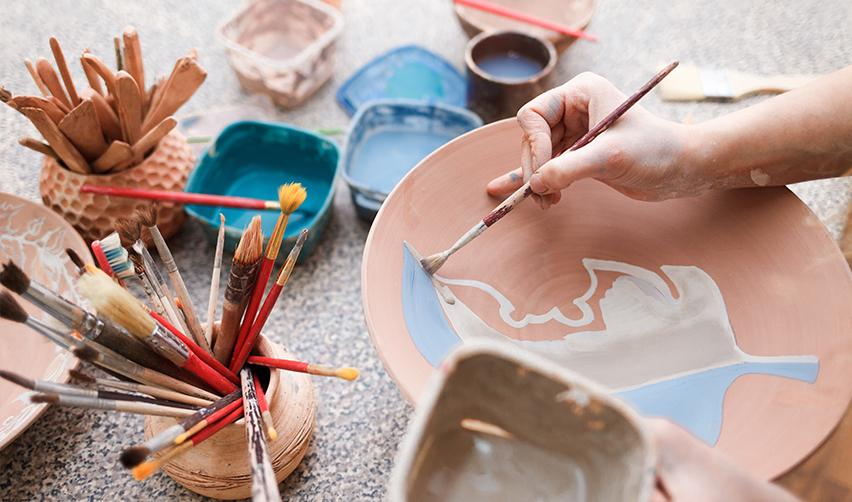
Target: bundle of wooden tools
205, 380
113, 123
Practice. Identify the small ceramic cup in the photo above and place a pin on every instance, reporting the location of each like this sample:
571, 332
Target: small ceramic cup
505, 70
94, 216
220, 467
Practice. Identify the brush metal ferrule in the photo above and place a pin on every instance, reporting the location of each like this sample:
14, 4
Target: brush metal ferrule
164, 439
168, 345
86, 402
68, 390
53, 304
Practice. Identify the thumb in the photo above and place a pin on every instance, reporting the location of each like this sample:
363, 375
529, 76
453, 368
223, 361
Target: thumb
559, 172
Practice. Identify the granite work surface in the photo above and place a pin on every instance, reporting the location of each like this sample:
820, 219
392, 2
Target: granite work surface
71, 454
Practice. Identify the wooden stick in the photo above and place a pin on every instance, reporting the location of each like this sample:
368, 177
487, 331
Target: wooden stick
119, 63
91, 75
51, 80
59, 57
60, 144
81, 126
186, 77
36, 78
214, 280
99, 67
116, 153
129, 107
106, 116
434, 262
58, 102
151, 138
39, 146
264, 487
133, 60
50, 107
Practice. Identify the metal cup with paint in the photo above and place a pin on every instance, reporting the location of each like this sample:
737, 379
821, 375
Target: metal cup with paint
505, 70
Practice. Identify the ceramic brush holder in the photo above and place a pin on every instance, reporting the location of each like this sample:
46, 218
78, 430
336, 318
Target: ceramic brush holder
94, 216
219, 467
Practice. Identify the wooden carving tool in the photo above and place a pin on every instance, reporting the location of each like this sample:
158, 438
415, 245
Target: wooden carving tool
60, 144
117, 153
129, 105
81, 126
91, 75
434, 262
158, 392
49, 107
186, 77
36, 78
106, 115
58, 102
59, 57
151, 138
39, 146
119, 59
51, 81
133, 59
102, 70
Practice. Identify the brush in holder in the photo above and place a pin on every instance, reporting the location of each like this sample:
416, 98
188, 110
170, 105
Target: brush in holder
220, 467
94, 216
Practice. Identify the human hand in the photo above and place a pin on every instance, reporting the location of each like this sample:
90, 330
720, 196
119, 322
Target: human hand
688, 469
641, 155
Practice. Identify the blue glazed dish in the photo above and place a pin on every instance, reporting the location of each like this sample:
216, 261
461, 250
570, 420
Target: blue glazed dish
407, 72
252, 159
388, 138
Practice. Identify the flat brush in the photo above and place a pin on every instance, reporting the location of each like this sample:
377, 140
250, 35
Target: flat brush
96, 329
214, 281
264, 486
432, 263
145, 469
120, 306
74, 390
134, 455
199, 199
111, 405
244, 349
345, 373
291, 196
264, 410
241, 281
150, 390
148, 218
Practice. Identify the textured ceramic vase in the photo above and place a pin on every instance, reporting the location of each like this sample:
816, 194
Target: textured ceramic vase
94, 216
503, 423
219, 467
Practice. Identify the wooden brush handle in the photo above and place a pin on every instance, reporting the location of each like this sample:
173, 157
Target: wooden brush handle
54, 137
744, 84
264, 487
51, 81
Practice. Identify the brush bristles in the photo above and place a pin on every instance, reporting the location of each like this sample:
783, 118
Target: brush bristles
251, 243
10, 308
147, 216
432, 263
14, 278
116, 303
80, 376
129, 231
44, 398
291, 196
84, 353
75, 258
17, 379
133, 456
349, 374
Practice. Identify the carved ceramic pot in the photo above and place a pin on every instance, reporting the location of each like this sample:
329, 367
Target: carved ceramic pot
219, 467
94, 216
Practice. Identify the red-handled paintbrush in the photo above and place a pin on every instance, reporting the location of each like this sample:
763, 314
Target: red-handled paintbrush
345, 373
200, 199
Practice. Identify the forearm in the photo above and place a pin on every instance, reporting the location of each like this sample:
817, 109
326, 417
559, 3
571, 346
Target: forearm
801, 135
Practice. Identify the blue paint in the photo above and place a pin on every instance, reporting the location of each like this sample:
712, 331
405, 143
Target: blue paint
408, 72
695, 401
428, 327
511, 65
388, 138
251, 159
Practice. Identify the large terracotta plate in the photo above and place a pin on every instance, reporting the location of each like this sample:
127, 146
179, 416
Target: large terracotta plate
728, 313
35, 238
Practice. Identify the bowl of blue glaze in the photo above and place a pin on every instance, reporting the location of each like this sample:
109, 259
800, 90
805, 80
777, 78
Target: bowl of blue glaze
252, 159
407, 72
389, 137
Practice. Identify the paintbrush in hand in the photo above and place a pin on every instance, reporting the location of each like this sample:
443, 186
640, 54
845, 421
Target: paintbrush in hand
264, 486
432, 263
290, 196
119, 305
243, 349
240, 283
148, 218
345, 373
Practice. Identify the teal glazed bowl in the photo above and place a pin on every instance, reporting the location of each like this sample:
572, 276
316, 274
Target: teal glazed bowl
252, 159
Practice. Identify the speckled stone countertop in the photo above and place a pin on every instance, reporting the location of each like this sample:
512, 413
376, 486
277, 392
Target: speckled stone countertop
71, 454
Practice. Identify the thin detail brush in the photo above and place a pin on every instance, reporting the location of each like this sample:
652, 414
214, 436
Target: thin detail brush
290, 196
240, 283
150, 390
264, 410
148, 218
432, 263
345, 373
111, 405
243, 350
214, 282
264, 487
129, 231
